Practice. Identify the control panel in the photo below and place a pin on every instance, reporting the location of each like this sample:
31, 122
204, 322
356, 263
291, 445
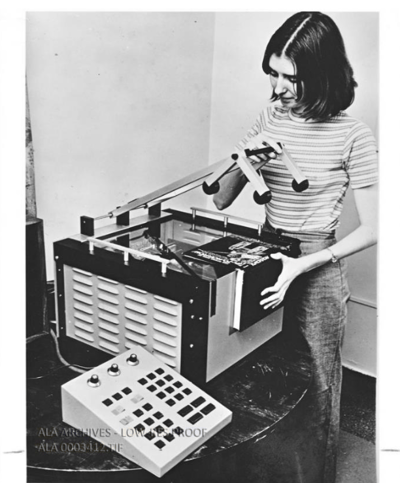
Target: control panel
144, 410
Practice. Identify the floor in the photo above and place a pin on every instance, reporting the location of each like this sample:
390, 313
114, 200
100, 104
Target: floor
357, 457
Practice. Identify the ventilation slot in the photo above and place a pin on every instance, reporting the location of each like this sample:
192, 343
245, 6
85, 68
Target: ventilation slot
83, 317
107, 298
109, 337
83, 308
136, 298
84, 335
167, 309
85, 327
77, 270
136, 318
108, 308
109, 347
165, 340
83, 299
164, 329
166, 320
108, 288
113, 282
136, 308
81, 289
170, 362
137, 290
136, 328
83, 280
136, 338
167, 301
109, 327
108, 318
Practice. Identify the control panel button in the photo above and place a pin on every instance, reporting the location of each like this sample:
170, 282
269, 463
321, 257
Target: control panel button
195, 418
186, 410
132, 360
113, 370
207, 410
94, 381
198, 402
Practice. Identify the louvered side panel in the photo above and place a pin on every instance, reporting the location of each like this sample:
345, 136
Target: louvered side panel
155, 323
114, 317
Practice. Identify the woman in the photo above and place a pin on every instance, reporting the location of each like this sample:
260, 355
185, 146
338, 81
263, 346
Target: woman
313, 85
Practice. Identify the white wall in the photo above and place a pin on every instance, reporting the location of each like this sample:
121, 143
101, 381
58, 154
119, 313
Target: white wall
240, 90
120, 105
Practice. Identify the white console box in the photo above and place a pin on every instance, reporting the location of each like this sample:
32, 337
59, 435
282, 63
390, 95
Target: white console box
143, 409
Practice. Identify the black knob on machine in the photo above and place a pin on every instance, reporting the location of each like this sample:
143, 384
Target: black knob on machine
113, 370
132, 360
94, 380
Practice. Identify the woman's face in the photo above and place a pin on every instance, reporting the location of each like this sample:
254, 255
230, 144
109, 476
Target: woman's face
283, 80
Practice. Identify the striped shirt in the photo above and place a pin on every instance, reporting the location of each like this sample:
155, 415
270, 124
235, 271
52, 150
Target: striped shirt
332, 155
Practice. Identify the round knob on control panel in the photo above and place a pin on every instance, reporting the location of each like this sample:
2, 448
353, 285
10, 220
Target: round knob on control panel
113, 370
94, 380
133, 360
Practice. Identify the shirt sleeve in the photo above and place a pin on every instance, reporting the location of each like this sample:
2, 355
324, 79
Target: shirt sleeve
361, 157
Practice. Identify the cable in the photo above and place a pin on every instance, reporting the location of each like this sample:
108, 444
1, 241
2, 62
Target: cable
74, 367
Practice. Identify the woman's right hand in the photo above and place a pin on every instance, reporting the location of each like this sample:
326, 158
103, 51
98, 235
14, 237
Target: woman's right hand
263, 140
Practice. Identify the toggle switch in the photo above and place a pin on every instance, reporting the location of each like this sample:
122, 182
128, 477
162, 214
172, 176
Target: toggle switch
113, 370
132, 360
94, 381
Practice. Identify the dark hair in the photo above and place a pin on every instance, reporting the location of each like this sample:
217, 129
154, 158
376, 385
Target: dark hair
325, 82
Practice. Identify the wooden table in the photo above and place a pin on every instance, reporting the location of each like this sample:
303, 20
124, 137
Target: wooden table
261, 391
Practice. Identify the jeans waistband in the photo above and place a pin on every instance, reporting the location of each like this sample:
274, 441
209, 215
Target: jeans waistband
302, 236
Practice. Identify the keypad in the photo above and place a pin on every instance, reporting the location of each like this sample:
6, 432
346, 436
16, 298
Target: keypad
186, 410
207, 410
198, 402
195, 418
126, 420
168, 423
148, 399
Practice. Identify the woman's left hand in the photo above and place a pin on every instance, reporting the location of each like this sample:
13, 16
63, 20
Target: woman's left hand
291, 268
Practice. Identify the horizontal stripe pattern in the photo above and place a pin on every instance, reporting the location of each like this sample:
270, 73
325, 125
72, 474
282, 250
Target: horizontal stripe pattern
332, 155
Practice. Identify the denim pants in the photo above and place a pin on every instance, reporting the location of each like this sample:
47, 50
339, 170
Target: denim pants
315, 308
